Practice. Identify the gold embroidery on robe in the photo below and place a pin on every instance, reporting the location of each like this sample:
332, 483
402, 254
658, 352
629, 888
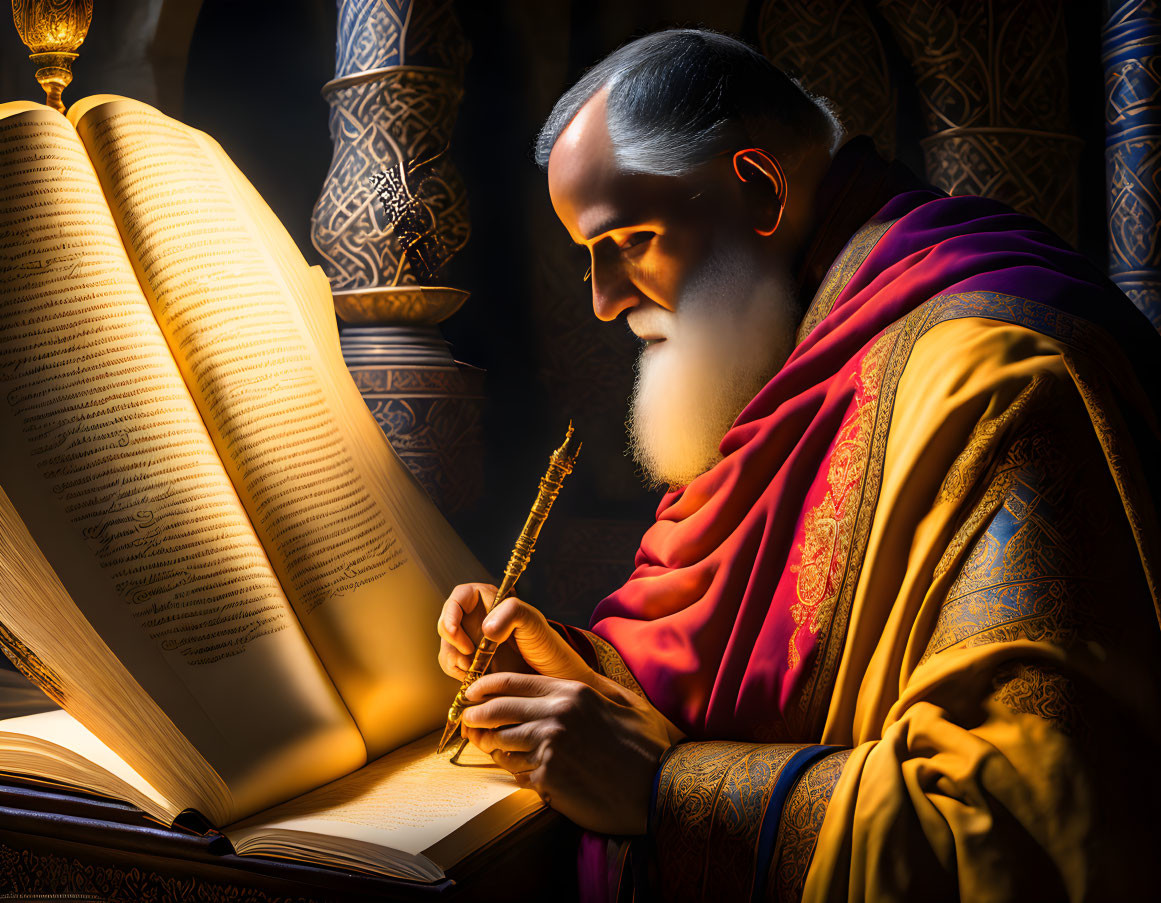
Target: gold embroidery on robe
711, 799
1042, 691
1030, 573
612, 666
827, 534
799, 825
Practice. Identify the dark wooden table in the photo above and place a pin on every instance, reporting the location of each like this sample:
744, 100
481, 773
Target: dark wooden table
55, 843
66, 845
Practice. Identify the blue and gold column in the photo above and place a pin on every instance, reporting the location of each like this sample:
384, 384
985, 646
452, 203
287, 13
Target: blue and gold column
1132, 61
399, 67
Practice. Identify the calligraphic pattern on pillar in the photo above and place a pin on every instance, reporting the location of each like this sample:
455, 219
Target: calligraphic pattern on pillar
404, 115
1132, 59
380, 33
398, 82
992, 79
432, 415
855, 77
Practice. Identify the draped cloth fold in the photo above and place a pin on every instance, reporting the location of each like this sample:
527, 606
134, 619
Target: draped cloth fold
894, 557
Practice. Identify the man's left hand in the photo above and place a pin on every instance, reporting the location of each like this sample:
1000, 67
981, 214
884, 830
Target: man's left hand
590, 750
587, 745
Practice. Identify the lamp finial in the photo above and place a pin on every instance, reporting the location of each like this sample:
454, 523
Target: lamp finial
54, 31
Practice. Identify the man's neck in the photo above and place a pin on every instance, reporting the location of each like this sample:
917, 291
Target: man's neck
857, 184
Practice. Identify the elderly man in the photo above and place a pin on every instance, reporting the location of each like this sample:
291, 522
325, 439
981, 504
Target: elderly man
893, 633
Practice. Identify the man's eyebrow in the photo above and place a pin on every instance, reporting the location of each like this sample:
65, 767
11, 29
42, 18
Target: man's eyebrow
617, 221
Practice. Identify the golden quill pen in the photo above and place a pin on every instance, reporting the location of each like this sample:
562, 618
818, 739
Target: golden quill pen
560, 465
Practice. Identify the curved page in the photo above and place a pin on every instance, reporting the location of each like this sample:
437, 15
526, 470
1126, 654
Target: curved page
354, 540
154, 601
410, 813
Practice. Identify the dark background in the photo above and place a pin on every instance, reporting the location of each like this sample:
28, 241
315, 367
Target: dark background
252, 79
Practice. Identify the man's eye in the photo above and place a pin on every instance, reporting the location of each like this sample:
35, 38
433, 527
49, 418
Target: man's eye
637, 238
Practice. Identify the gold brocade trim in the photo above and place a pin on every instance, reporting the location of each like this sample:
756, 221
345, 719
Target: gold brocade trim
612, 666
1026, 576
1054, 540
711, 800
831, 622
825, 547
980, 450
799, 826
1042, 691
856, 251
981, 453
807, 717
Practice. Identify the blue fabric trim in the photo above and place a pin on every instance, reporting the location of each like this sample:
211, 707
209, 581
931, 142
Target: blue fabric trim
651, 821
768, 835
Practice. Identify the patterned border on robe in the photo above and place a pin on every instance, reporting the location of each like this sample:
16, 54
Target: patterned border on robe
1089, 370
1089, 343
849, 534
798, 827
718, 806
716, 800
1019, 555
603, 658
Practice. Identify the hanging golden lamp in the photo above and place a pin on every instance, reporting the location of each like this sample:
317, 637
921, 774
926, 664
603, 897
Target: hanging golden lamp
53, 30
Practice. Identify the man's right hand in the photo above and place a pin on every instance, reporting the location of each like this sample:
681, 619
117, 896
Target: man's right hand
531, 643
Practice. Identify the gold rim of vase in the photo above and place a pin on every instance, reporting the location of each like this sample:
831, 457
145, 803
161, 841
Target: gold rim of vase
416, 305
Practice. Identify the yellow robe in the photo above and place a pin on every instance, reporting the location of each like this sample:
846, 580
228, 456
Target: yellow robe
998, 681
1001, 670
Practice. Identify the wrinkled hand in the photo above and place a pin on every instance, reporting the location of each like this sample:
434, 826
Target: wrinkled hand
587, 745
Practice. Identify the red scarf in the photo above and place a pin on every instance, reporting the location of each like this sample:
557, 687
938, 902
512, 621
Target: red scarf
723, 620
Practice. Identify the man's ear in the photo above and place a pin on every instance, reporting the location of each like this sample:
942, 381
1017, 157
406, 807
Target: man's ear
754, 164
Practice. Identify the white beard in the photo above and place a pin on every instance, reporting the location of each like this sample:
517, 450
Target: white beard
731, 332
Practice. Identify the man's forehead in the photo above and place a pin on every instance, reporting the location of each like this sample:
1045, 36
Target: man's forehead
590, 192
582, 168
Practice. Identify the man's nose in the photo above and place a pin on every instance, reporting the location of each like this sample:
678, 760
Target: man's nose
613, 292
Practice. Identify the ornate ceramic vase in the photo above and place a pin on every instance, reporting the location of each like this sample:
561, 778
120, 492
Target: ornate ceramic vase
397, 86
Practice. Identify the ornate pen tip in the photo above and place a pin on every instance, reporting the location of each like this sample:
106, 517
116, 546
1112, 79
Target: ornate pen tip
567, 450
449, 732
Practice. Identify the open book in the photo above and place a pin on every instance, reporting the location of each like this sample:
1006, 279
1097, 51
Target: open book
210, 557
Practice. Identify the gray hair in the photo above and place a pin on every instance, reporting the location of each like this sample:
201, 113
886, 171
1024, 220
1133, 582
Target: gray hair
676, 98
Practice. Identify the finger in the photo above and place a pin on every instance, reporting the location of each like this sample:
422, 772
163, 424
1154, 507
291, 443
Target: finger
534, 780
464, 600
538, 644
452, 653
449, 629
452, 662
505, 710
518, 762
468, 595
509, 683
512, 738
511, 614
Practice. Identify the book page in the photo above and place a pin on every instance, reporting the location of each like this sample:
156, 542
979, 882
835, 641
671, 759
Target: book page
356, 544
410, 802
124, 549
57, 747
